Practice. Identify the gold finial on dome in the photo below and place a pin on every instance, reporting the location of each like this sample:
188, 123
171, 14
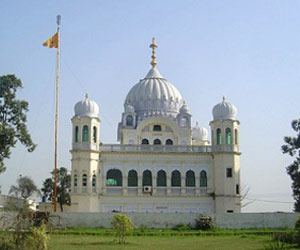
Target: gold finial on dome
223, 98
86, 95
153, 46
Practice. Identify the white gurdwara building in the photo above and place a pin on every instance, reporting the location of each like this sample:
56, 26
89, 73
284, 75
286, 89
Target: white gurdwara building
162, 164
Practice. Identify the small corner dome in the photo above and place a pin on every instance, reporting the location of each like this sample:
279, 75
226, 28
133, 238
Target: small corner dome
199, 133
86, 107
184, 109
224, 111
129, 108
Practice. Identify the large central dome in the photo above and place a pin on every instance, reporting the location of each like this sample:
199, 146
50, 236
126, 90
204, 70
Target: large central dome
154, 95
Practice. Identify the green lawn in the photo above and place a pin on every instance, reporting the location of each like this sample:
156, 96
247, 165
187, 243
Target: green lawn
90, 242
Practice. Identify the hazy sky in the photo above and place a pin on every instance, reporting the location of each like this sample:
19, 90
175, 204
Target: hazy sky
245, 50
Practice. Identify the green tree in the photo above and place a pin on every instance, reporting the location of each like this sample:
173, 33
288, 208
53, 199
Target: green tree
123, 226
63, 187
25, 188
292, 147
12, 118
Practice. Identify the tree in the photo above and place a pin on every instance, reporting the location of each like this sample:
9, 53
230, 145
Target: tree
12, 118
123, 226
63, 187
292, 147
25, 188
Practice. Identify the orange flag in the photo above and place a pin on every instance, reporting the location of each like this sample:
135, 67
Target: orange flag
52, 42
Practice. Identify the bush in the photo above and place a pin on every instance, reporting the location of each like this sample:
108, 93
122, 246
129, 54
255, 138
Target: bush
6, 244
276, 245
205, 223
297, 225
123, 226
38, 238
286, 237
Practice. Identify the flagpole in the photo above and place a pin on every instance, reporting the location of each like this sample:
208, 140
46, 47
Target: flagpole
56, 115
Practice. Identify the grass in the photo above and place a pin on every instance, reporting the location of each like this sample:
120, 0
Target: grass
91, 242
165, 239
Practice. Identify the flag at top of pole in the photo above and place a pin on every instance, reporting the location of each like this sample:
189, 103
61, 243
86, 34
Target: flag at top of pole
54, 42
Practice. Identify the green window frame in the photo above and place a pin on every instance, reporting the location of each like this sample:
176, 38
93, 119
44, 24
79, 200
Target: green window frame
94, 180
114, 178
132, 178
76, 133
75, 180
203, 179
176, 179
190, 179
219, 136
85, 133
95, 134
84, 180
169, 142
147, 178
161, 179
228, 136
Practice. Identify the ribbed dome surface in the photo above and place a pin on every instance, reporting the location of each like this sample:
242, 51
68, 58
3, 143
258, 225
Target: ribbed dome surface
199, 133
86, 107
224, 111
154, 95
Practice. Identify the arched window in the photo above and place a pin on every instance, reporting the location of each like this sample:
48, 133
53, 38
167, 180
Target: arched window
75, 180
85, 133
228, 136
76, 133
129, 120
203, 179
94, 180
169, 142
147, 178
114, 178
184, 121
157, 142
176, 179
84, 180
219, 136
190, 179
156, 128
95, 134
132, 178
161, 178
145, 141
235, 136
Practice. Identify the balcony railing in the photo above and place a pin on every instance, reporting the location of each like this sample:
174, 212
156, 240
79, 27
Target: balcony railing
168, 148
154, 148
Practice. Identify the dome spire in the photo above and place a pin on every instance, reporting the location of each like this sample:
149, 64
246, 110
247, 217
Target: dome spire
153, 46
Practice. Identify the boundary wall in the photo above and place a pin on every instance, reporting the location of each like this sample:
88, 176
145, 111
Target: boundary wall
163, 220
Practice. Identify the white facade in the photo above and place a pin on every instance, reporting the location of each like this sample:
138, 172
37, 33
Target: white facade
162, 164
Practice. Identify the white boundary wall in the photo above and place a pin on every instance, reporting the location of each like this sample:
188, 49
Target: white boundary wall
163, 220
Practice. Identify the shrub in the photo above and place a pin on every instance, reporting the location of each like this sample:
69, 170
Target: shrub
297, 225
6, 244
205, 223
276, 245
123, 226
38, 238
286, 237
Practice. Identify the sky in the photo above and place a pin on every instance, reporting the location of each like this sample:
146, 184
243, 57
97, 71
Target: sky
247, 51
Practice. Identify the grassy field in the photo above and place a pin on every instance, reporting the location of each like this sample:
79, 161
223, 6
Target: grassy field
93, 242
167, 239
